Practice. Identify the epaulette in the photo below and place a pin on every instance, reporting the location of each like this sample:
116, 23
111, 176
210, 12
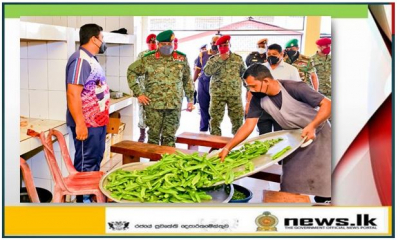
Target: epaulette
149, 53
237, 54
181, 53
305, 57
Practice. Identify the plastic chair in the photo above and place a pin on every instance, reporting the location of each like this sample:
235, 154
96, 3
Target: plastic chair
76, 183
28, 179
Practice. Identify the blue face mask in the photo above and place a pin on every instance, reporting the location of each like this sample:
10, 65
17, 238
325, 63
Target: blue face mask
102, 48
166, 50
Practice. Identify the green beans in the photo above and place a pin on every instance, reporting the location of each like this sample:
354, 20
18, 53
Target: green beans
280, 153
181, 177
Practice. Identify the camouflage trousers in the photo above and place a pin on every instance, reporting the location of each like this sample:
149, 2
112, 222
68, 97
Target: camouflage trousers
162, 125
142, 117
325, 90
217, 112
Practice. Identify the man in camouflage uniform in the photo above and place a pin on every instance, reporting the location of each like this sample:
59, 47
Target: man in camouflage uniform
225, 70
151, 46
304, 64
322, 62
167, 76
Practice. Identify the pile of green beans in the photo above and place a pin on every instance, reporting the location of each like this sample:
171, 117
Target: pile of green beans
181, 178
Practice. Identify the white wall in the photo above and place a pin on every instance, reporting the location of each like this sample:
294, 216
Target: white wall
108, 23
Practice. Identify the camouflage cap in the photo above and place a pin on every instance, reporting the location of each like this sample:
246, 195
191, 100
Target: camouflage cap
166, 36
292, 43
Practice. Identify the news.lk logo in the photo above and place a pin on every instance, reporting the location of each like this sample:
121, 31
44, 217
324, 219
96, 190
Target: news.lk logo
362, 221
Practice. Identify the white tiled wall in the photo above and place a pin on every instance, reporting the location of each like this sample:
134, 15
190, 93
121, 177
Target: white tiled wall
117, 60
42, 76
108, 23
57, 105
37, 74
56, 74
39, 104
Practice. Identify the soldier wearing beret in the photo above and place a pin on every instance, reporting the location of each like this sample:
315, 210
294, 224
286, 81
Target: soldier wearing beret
259, 56
151, 46
167, 78
322, 62
225, 70
304, 64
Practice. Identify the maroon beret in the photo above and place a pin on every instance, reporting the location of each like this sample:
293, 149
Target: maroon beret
223, 39
151, 37
323, 41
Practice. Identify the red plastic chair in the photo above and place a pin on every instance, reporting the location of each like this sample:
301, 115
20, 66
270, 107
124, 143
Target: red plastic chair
76, 183
28, 179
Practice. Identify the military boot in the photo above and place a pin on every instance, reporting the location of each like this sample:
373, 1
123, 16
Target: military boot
142, 135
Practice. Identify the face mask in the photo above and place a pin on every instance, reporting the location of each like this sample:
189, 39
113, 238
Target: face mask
102, 48
273, 60
259, 94
166, 50
326, 51
176, 46
152, 46
223, 49
291, 53
214, 47
261, 50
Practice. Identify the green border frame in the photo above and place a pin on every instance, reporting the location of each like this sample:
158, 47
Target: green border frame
16, 10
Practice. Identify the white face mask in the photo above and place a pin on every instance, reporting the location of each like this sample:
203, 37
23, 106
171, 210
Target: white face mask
262, 50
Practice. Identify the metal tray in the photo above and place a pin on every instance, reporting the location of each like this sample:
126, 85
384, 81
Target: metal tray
219, 195
290, 138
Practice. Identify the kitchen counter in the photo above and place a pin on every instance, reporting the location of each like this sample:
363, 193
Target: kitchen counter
28, 143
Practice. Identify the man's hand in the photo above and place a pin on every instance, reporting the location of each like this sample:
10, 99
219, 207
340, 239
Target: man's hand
143, 100
308, 132
81, 132
224, 56
190, 107
223, 154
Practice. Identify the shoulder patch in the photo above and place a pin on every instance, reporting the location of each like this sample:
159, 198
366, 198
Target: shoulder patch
212, 56
149, 53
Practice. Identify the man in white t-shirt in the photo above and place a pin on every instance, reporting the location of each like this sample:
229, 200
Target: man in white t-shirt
279, 68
